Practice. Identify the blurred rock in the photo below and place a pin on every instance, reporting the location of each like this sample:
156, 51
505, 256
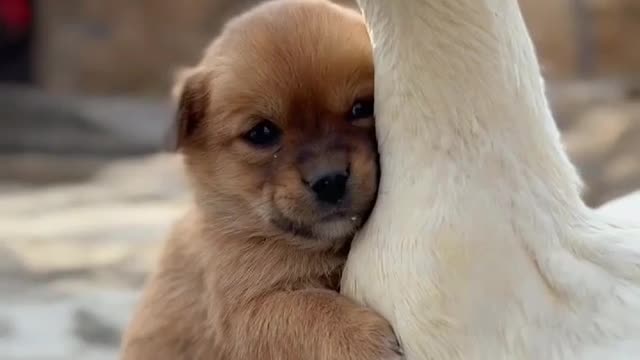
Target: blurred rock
605, 146
45, 327
36, 121
600, 124
124, 47
21, 171
113, 219
570, 34
552, 27
120, 46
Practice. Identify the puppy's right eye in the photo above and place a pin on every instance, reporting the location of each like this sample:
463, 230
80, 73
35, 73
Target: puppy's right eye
264, 134
361, 109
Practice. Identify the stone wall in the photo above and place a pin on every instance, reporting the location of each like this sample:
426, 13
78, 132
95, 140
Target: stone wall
123, 46
603, 30
132, 47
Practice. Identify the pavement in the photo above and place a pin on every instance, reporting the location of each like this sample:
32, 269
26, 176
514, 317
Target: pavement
73, 257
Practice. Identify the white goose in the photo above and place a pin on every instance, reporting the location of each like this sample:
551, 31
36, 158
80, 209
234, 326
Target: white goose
480, 246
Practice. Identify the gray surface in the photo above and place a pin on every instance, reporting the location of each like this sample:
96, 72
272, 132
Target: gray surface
73, 257
31, 120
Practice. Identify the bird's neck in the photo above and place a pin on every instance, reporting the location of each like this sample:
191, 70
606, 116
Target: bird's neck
479, 230
473, 171
459, 95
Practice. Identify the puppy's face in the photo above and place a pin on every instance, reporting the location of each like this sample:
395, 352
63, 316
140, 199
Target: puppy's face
277, 122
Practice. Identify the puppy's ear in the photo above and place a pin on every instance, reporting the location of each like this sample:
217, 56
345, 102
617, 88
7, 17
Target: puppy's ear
191, 92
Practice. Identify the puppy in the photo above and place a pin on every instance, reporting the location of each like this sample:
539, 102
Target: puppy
276, 128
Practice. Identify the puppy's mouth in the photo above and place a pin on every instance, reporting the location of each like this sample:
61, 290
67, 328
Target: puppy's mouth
337, 225
335, 215
293, 227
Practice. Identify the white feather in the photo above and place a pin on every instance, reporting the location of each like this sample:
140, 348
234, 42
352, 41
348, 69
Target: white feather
627, 206
480, 246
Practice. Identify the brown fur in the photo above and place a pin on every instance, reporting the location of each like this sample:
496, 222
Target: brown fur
252, 272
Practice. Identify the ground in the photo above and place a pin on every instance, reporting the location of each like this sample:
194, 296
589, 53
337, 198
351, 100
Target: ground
74, 256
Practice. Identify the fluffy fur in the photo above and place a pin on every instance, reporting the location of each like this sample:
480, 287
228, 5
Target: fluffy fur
252, 272
479, 246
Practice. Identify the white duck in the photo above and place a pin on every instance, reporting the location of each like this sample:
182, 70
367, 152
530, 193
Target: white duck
480, 246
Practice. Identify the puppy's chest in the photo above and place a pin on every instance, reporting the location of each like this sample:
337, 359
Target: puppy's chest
332, 280
318, 270
319, 278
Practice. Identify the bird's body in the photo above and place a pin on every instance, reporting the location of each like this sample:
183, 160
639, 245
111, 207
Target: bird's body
480, 246
627, 206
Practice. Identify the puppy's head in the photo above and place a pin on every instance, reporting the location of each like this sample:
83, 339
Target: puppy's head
276, 122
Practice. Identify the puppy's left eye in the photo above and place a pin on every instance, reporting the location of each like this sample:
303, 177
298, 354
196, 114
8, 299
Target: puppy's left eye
264, 134
361, 109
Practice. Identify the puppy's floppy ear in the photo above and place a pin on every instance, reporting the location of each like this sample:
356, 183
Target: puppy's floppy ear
191, 92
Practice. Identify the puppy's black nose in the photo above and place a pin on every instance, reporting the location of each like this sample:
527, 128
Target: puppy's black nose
331, 187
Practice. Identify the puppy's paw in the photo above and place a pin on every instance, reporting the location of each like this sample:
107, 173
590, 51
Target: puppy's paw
372, 338
396, 350
393, 350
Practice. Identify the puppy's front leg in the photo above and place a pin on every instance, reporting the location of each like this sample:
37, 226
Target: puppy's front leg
312, 324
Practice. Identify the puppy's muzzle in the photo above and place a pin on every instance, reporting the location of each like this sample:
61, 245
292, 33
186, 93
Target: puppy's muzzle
324, 168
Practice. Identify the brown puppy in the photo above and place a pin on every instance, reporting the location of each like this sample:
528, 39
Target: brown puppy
276, 126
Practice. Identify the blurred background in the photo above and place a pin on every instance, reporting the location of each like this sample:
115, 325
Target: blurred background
87, 190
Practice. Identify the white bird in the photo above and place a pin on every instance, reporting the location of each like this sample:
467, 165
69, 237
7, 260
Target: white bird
480, 246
